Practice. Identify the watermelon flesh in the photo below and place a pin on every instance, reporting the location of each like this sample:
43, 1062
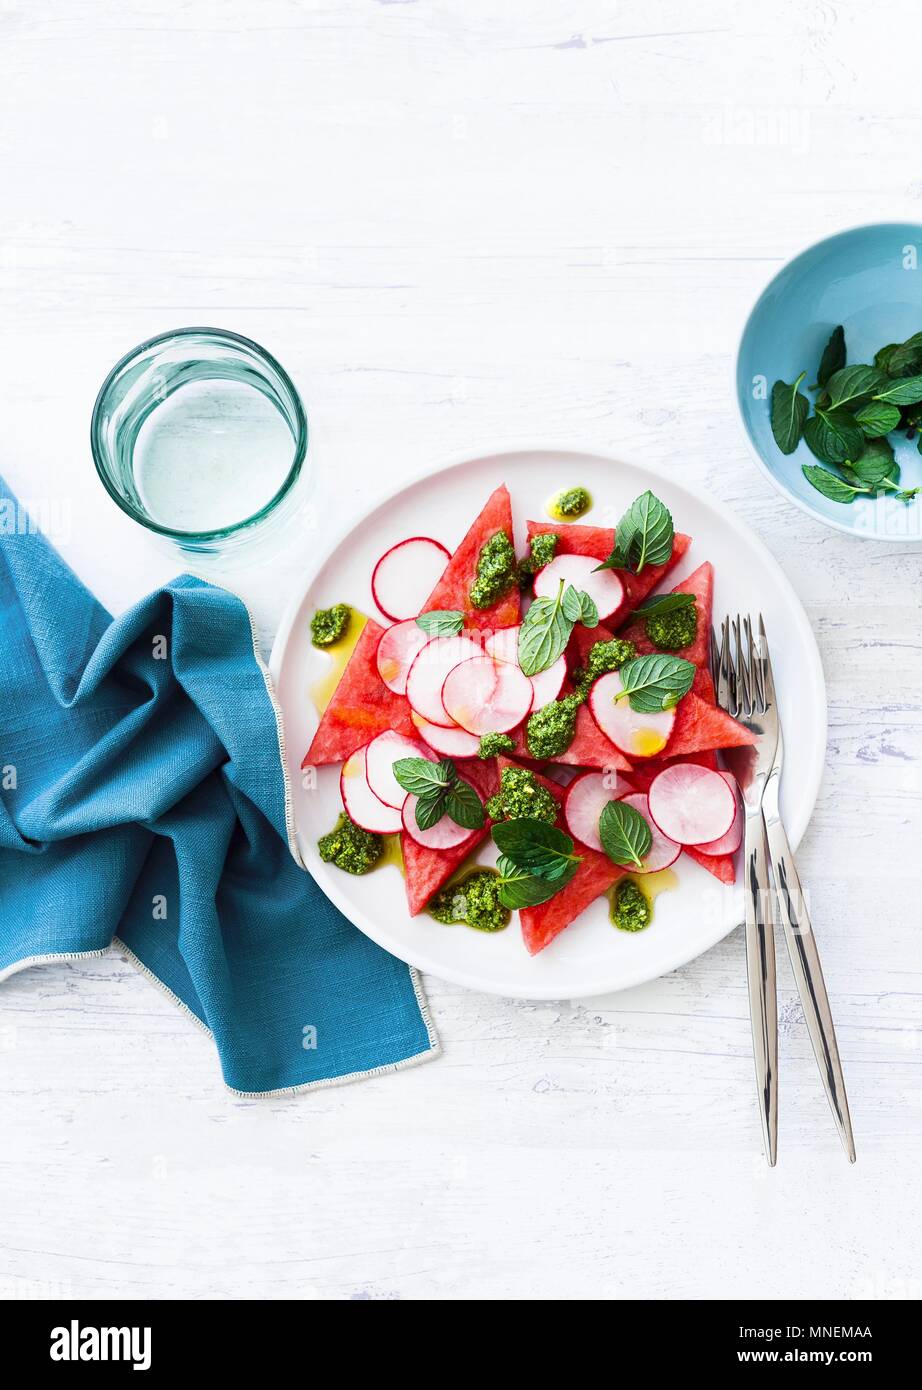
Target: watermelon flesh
427, 870
700, 726
598, 541
722, 866
453, 591
701, 584
594, 876
360, 708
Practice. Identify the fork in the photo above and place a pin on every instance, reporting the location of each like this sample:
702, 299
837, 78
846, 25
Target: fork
746, 690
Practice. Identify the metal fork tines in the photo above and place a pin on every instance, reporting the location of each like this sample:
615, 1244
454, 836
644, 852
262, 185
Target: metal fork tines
745, 688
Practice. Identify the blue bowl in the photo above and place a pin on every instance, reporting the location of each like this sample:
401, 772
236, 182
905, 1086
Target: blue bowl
866, 279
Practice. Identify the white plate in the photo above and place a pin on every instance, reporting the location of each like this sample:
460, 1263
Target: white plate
590, 957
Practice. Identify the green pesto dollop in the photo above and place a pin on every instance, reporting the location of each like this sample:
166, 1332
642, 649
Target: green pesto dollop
491, 745
631, 909
329, 624
573, 502
551, 729
495, 571
603, 657
542, 550
350, 848
521, 794
673, 631
473, 902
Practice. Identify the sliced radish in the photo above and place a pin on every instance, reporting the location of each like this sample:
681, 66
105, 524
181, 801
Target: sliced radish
431, 665
603, 586
366, 809
445, 834
662, 851
486, 696
585, 801
451, 743
380, 756
639, 735
503, 645
406, 574
729, 843
692, 804
548, 684
396, 650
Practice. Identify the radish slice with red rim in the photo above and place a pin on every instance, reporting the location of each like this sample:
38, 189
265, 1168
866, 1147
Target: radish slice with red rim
431, 665
729, 843
691, 804
662, 851
503, 645
585, 801
603, 586
406, 574
445, 834
397, 649
486, 696
380, 756
639, 735
451, 743
362, 806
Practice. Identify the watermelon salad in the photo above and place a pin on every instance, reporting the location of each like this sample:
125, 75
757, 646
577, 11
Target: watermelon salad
558, 703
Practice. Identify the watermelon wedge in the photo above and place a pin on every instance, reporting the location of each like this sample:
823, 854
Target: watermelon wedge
453, 590
598, 541
701, 584
595, 876
722, 866
701, 726
428, 869
361, 706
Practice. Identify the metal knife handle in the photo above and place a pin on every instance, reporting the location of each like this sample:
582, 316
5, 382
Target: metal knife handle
808, 973
760, 965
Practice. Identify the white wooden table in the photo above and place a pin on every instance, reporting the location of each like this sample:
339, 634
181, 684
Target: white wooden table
458, 222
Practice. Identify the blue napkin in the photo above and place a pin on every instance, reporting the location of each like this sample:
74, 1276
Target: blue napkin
143, 802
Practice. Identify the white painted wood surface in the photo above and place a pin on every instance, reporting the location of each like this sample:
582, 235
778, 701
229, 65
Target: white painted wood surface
460, 223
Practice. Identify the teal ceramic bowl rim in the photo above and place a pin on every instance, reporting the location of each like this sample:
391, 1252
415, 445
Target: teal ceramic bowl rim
300, 442
772, 477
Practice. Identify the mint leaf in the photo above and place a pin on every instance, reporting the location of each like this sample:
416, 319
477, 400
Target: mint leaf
830, 484
876, 464
905, 391
904, 359
661, 604
464, 805
877, 418
789, 411
626, 837
655, 682
643, 536
430, 808
833, 436
519, 888
579, 607
441, 622
852, 386
535, 845
545, 632
421, 777
833, 358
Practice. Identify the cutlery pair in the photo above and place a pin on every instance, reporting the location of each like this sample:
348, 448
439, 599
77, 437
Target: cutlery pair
742, 672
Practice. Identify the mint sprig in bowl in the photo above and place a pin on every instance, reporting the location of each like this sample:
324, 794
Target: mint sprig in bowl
829, 381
